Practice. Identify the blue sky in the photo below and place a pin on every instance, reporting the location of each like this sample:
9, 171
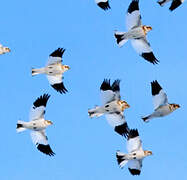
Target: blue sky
85, 148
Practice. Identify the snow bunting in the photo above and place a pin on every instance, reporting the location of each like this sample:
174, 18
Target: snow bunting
160, 102
112, 107
3, 49
135, 154
37, 125
136, 33
54, 70
174, 4
104, 4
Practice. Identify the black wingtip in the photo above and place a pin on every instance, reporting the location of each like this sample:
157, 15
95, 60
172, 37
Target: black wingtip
104, 5
133, 6
115, 85
46, 149
119, 158
134, 171
58, 52
60, 88
106, 85
175, 4
123, 130
155, 87
132, 133
150, 57
42, 100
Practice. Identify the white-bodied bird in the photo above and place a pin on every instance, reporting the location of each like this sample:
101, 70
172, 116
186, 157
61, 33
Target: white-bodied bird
175, 3
37, 125
136, 33
135, 155
160, 102
103, 4
3, 49
54, 70
112, 107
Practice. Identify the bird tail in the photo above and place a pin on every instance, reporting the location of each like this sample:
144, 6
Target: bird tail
162, 2
121, 38
20, 126
37, 71
122, 159
146, 118
96, 112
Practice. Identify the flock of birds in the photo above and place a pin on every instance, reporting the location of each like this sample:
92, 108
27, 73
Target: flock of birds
112, 105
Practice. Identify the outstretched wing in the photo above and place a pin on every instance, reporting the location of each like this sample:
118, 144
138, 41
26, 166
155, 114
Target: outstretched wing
56, 82
133, 17
142, 47
118, 122
135, 166
110, 92
40, 140
104, 4
134, 142
159, 96
38, 109
56, 56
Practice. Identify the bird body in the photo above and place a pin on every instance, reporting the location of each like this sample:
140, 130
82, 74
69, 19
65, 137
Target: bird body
116, 106
136, 33
54, 70
112, 107
160, 101
37, 125
135, 155
3, 49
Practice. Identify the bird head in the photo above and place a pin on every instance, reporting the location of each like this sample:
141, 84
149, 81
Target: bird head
123, 104
148, 153
147, 29
173, 106
65, 67
48, 123
6, 49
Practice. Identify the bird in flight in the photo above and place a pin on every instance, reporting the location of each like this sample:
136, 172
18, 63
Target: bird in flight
112, 107
135, 155
160, 102
37, 125
175, 3
54, 70
136, 33
3, 49
103, 4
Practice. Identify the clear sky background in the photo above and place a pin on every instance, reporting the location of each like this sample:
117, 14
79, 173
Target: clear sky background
85, 148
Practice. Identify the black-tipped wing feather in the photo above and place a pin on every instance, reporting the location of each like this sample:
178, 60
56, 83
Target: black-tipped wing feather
104, 5
159, 96
175, 4
46, 149
60, 88
123, 129
134, 171
38, 109
110, 92
58, 53
134, 6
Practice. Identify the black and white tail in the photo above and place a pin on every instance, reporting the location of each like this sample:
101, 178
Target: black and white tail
122, 159
20, 126
96, 112
37, 71
120, 38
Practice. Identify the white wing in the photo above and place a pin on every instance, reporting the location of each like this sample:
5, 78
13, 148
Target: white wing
160, 99
40, 140
133, 17
142, 47
56, 82
56, 56
159, 96
110, 92
134, 142
135, 166
54, 60
115, 119
38, 109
